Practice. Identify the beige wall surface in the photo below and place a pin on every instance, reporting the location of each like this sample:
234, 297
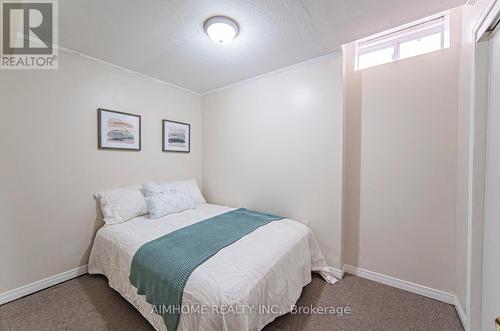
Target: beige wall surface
275, 144
401, 166
50, 165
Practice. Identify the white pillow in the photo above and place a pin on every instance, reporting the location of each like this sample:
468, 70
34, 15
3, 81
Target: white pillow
188, 186
169, 203
121, 205
153, 189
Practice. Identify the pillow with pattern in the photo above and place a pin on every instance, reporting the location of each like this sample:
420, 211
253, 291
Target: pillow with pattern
169, 202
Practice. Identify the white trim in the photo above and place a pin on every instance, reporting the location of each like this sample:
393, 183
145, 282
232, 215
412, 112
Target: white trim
395, 37
127, 70
274, 72
489, 14
379, 278
405, 26
244, 81
41, 284
470, 183
486, 20
410, 287
461, 313
402, 284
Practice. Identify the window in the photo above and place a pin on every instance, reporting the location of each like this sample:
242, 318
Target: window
414, 39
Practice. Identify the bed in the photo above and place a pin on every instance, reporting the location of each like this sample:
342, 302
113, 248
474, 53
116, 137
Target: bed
244, 286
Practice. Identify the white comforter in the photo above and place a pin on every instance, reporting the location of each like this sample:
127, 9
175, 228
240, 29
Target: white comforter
243, 287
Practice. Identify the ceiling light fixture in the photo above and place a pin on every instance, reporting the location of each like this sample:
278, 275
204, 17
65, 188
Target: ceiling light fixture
221, 29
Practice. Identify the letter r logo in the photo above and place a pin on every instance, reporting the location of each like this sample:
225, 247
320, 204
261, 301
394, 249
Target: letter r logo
27, 27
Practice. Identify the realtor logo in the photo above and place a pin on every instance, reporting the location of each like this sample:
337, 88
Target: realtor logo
29, 31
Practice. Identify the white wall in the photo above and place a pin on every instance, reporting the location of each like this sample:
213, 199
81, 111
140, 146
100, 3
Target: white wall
275, 144
401, 166
51, 166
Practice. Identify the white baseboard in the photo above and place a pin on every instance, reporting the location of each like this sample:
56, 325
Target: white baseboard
461, 313
41, 284
374, 276
410, 287
402, 284
62, 277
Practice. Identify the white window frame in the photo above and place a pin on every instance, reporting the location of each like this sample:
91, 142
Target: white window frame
412, 31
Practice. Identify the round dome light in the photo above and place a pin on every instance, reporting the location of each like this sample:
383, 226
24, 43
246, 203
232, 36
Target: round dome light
221, 29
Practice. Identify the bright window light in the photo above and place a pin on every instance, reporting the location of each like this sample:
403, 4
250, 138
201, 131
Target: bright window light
377, 57
420, 46
425, 36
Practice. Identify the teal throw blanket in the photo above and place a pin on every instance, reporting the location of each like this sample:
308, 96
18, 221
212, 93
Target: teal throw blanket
160, 268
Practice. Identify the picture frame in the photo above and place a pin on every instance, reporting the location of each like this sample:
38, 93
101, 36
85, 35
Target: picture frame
176, 137
118, 131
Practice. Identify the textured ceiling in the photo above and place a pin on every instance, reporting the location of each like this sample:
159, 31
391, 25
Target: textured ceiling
165, 39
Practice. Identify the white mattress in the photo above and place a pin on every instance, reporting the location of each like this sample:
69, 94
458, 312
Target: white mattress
265, 269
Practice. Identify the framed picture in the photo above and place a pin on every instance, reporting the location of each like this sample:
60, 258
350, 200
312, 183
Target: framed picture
117, 130
176, 137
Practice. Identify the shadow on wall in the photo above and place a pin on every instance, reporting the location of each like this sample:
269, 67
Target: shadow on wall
352, 161
98, 223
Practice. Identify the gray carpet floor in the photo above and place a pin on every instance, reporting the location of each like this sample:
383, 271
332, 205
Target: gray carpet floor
88, 303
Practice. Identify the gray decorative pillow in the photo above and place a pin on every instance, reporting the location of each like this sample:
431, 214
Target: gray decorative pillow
169, 203
154, 190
